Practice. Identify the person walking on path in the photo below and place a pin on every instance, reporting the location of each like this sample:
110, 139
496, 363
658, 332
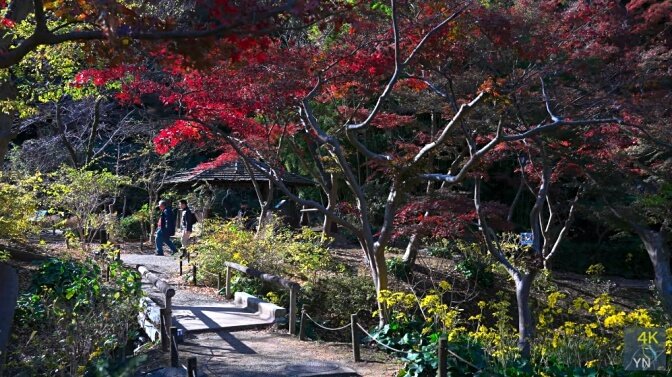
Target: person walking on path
165, 229
187, 224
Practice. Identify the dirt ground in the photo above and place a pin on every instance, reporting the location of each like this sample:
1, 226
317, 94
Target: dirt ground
261, 353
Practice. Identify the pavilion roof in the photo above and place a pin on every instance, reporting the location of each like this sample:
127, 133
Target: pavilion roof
235, 172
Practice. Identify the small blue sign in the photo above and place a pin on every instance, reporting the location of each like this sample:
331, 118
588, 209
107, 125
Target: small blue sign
526, 239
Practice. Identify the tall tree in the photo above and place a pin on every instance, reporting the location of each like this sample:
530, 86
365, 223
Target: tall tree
357, 72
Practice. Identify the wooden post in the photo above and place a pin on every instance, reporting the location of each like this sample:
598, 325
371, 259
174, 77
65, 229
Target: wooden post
162, 330
355, 337
168, 311
302, 325
188, 257
118, 254
219, 282
107, 272
443, 366
194, 272
192, 370
174, 358
227, 292
180, 267
293, 295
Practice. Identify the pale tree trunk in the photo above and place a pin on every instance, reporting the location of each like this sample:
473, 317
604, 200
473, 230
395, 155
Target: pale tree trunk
152, 220
332, 201
656, 246
265, 208
411, 253
376, 261
523, 279
525, 320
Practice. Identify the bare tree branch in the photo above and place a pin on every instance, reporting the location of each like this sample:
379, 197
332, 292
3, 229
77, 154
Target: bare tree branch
94, 130
64, 139
273, 175
444, 134
485, 231
566, 225
433, 31
454, 178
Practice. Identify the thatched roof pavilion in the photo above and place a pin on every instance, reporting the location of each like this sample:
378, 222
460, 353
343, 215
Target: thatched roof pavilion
234, 174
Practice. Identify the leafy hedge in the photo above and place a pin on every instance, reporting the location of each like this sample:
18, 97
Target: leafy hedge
71, 322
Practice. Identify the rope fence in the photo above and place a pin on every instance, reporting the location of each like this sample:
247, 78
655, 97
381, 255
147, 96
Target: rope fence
327, 328
356, 328
379, 342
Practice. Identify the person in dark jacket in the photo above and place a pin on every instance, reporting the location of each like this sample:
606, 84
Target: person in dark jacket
165, 229
187, 225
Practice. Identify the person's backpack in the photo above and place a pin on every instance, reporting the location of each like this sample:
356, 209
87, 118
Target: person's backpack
192, 218
171, 222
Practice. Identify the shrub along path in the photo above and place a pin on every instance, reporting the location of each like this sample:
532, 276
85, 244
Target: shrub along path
253, 352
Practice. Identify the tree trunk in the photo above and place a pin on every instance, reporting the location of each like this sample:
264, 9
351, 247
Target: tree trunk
659, 254
265, 207
18, 11
525, 321
411, 253
378, 269
6, 120
152, 220
332, 201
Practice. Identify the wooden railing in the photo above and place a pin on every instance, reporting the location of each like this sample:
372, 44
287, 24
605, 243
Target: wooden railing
166, 312
293, 287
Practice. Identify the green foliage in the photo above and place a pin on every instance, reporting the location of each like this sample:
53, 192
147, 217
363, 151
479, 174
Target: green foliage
472, 263
595, 271
4, 256
578, 338
443, 248
474, 269
18, 201
382, 7
249, 285
658, 205
46, 73
276, 250
70, 319
136, 226
84, 194
334, 298
110, 368
398, 268
330, 293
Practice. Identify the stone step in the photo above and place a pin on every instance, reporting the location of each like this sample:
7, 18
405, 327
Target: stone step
244, 312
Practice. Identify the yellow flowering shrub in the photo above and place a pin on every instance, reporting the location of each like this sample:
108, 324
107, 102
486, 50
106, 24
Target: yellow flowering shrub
577, 333
596, 340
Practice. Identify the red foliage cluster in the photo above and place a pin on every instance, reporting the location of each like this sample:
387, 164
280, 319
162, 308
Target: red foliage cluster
446, 216
100, 77
179, 132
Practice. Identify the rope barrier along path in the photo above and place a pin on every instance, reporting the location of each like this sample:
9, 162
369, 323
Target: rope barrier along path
407, 352
377, 341
328, 328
